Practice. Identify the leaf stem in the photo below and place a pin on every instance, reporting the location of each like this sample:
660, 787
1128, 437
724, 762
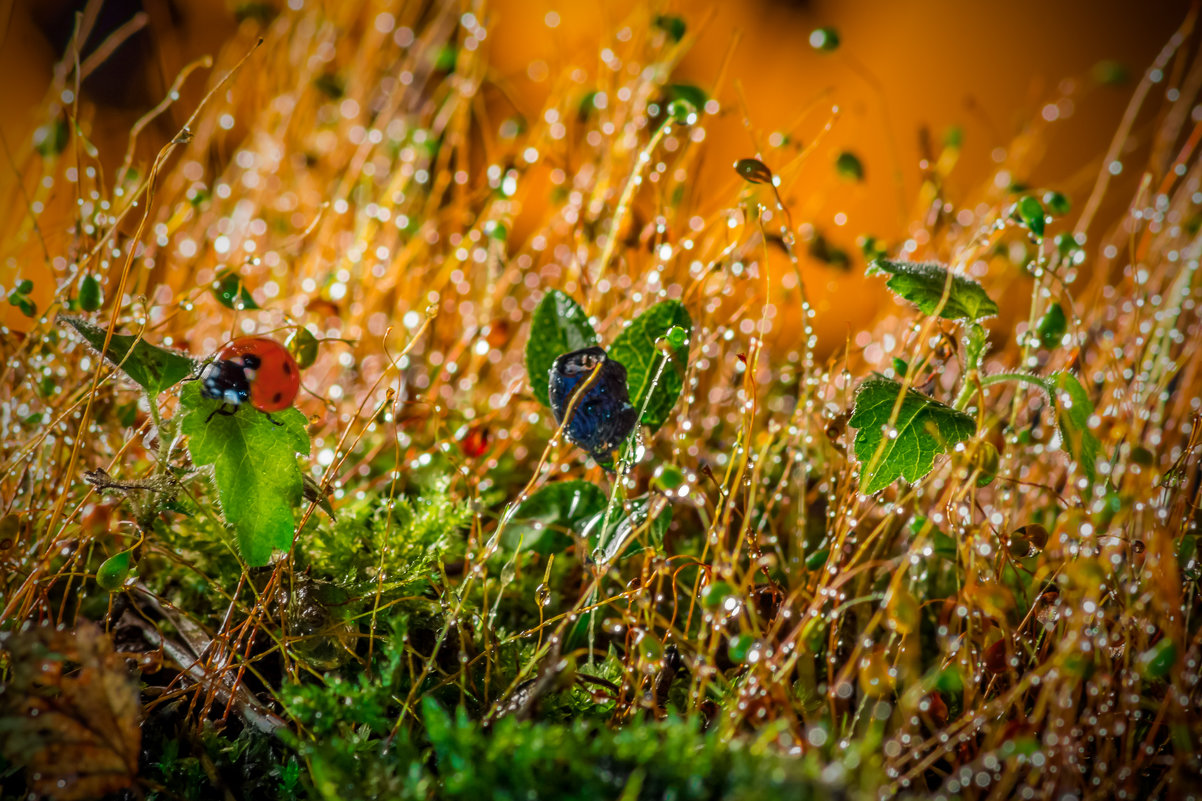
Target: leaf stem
1020, 378
974, 380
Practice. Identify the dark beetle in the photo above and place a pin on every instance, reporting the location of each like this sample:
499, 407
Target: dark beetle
603, 415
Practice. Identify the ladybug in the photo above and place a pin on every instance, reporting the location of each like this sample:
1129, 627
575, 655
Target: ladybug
255, 369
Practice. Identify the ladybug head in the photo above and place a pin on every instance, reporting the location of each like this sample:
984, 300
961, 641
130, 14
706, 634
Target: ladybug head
225, 380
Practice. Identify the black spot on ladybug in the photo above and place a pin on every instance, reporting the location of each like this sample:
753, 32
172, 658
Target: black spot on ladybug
603, 416
287, 368
277, 397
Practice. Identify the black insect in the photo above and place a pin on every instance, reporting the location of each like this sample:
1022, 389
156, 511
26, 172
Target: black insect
602, 417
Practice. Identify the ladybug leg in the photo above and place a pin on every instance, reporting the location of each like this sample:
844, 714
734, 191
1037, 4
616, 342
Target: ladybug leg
221, 410
272, 420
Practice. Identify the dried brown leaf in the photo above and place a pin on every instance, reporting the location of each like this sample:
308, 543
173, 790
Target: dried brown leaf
70, 714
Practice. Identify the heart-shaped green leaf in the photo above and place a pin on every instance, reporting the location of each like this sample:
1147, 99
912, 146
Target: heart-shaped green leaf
637, 349
558, 326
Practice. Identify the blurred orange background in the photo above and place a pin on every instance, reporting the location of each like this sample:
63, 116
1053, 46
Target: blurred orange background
903, 71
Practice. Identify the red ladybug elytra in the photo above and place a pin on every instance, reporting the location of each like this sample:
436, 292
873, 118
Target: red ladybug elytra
255, 369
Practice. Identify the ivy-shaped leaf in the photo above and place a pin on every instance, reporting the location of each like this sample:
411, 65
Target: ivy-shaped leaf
637, 351
923, 285
924, 429
558, 326
1073, 410
153, 368
541, 522
254, 461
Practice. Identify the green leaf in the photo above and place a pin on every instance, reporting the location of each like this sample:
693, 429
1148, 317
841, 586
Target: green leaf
713, 596
870, 248
672, 25
541, 521
588, 105
330, 85
682, 112
1031, 212
825, 40
738, 646
1051, 326
1157, 661
303, 347
1057, 203
849, 166
558, 326
637, 349
51, 139
693, 95
231, 292
943, 545
90, 295
445, 58
153, 368
924, 429
23, 302
822, 249
112, 574
1067, 245
1073, 410
667, 478
1111, 73
254, 463
923, 284
624, 523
